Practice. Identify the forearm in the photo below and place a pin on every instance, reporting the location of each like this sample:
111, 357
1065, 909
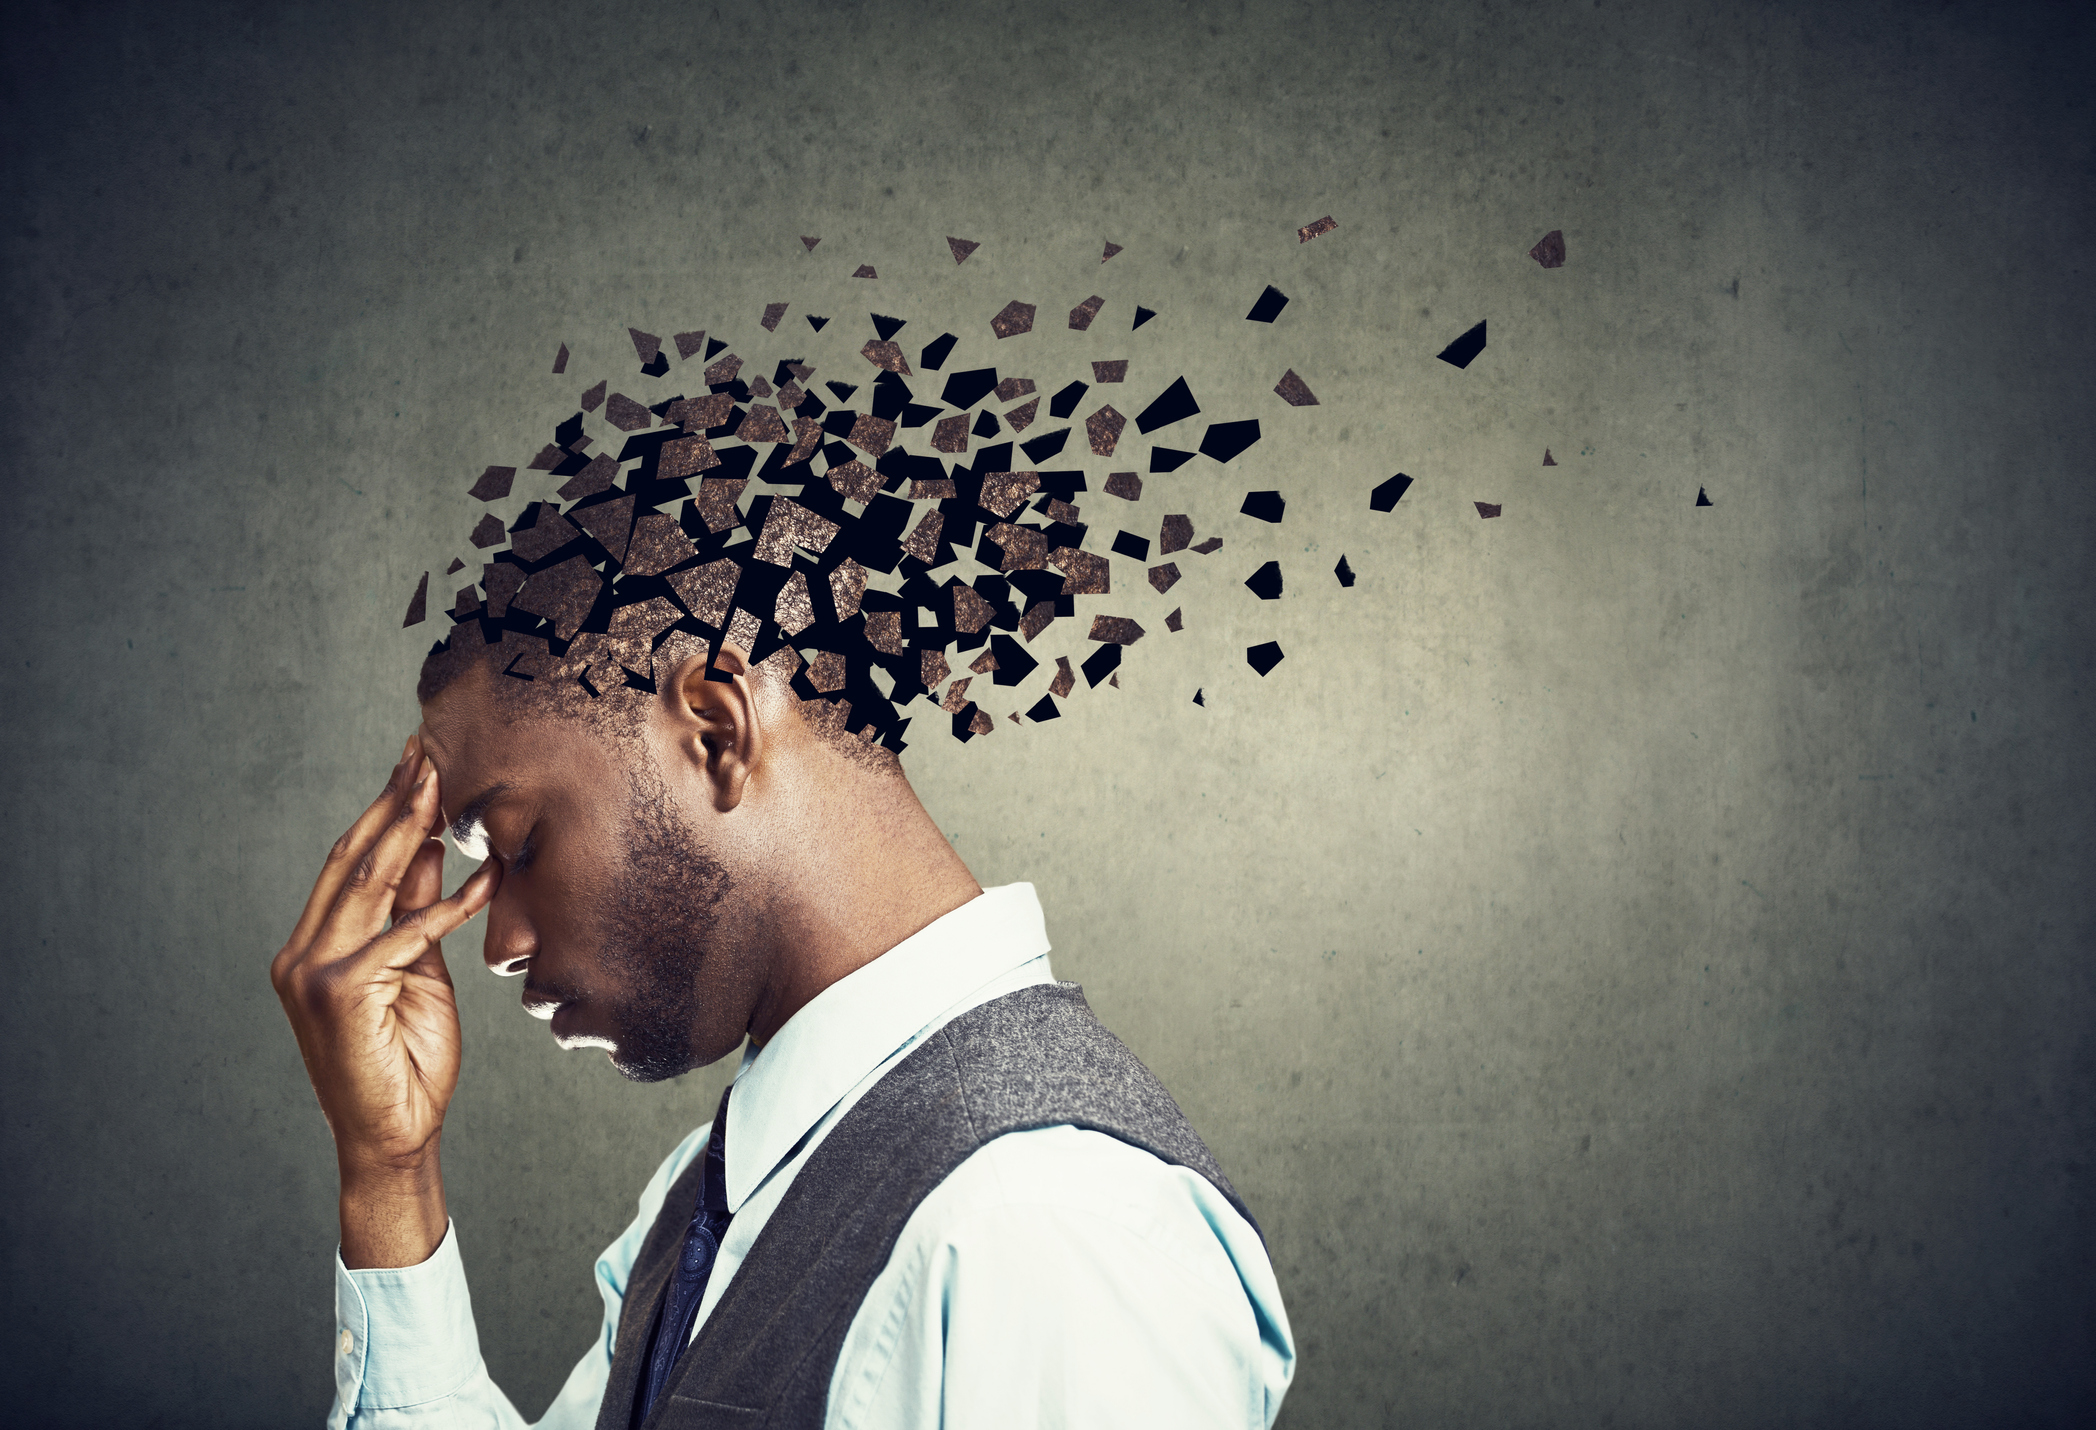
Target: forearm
392, 1216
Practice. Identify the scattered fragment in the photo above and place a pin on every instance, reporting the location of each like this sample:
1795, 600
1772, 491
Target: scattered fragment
1164, 577
1173, 621
1081, 316
1125, 485
716, 502
1114, 681
1003, 492
1174, 534
611, 523
1294, 391
701, 414
1021, 417
1119, 630
646, 344
1013, 319
1263, 657
1486, 509
466, 603
1266, 506
1059, 510
856, 481
816, 323
1128, 544
970, 611
1084, 573
1115, 370
548, 533
809, 243
1209, 547
982, 724
1225, 440
455, 567
1269, 306
1142, 316
1703, 498
1014, 388
1550, 249
884, 632
923, 543
956, 696
788, 524
1265, 583
871, 435
1344, 572
560, 359
593, 398
864, 270
707, 591
1038, 617
1174, 404
494, 484
1311, 230
689, 344
1464, 350
848, 588
1043, 709
762, 424
1024, 548
1111, 249
488, 531
563, 594
886, 356
931, 489
1388, 494
984, 663
626, 414
418, 604
1548, 460
931, 668
807, 436
795, 610
598, 476
1065, 678
951, 435
1197, 698
723, 372
961, 248
548, 458
657, 545
1103, 430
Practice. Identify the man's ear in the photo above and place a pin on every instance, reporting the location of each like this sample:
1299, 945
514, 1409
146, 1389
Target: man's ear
716, 721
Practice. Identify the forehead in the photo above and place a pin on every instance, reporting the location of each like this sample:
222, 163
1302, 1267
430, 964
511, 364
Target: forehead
478, 740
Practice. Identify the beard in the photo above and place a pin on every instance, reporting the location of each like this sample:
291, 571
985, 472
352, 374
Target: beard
660, 937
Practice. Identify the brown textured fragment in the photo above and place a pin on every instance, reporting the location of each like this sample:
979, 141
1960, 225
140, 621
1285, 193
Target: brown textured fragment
791, 396
956, 696
743, 629
548, 458
466, 602
826, 672
886, 356
611, 523
982, 723
500, 579
829, 719
809, 243
707, 590
1014, 717
598, 476
563, 594
1103, 430
847, 588
932, 668
686, 457
1111, 249
1294, 391
1115, 630
970, 611
658, 544
1065, 678
1172, 622
856, 480
494, 484
864, 270
723, 371
689, 345
646, 344
1021, 417
1125, 485
951, 435
983, 664
801, 370
1083, 573
455, 567
579, 445
1209, 547
1039, 616
773, 312
1550, 249
1024, 548
931, 488
1004, 492
1173, 535
789, 524
560, 359
960, 248
884, 632
702, 414
1114, 680
783, 663
626, 414
1013, 319
795, 611
1062, 511
488, 531
644, 620
1081, 316
1311, 230
871, 435
1112, 370
807, 436
923, 543
759, 387
716, 501
418, 604
551, 532
1487, 509
1014, 388
1164, 577
1548, 460
762, 425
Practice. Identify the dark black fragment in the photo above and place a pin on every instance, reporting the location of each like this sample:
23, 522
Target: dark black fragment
1388, 494
1465, 349
1135, 548
1100, 664
936, 351
1142, 316
1265, 583
1266, 506
964, 389
1344, 572
1269, 306
1264, 656
1041, 448
1168, 459
1703, 498
986, 424
1174, 404
1043, 709
1224, 440
418, 605
1065, 402
814, 322
842, 389
887, 327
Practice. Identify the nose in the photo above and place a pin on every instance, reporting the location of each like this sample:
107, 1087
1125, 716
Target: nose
510, 941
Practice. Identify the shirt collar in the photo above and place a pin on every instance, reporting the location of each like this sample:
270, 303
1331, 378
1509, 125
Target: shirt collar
850, 1028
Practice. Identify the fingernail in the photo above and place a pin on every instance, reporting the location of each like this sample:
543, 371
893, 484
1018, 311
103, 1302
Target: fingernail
406, 746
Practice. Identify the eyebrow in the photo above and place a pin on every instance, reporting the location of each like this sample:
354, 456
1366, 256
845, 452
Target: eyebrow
462, 828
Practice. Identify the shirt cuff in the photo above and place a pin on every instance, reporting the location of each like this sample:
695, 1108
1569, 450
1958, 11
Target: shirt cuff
404, 1337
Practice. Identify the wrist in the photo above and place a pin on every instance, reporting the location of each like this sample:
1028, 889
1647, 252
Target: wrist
393, 1214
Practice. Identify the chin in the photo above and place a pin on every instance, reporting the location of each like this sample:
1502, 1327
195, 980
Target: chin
648, 1069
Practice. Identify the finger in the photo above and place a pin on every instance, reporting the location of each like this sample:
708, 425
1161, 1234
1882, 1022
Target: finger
351, 847
423, 884
366, 898
417, 934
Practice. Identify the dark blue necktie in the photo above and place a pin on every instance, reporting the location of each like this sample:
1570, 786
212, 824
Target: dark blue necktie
702, 1239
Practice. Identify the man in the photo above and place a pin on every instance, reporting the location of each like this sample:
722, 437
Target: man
937, 1193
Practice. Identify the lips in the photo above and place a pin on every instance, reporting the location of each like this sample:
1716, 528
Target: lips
542, 1005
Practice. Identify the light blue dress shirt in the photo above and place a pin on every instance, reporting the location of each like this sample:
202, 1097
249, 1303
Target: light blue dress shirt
1058, 1277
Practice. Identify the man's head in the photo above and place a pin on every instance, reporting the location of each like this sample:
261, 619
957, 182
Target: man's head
678, 864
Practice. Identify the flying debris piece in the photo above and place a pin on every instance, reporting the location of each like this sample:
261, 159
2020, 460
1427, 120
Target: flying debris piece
611, 523
1043, 709
1174, 534
1114, 681
1111, 249
1037, 619
1388, 494
1173, 621
1113, 371
1142, 316
626, 414
455, 567
809, 243
856, 480
1103, 430
646, 344
1269, 306
871, 435
1081, 316
884, 631
887, 357
1266, 506
795, 612
843, 390
547, 535
807, 436
707, 591
1294, 391
494, 484
964, 389
1311, 230
970, 611
1265, 583
723, 371
932, 668
984, 663
951, 435
1024, 548
1056, 509
548, 458
1168, 459
1207, 548
688, 344
1014, 388
1703, 498
465, 604
986, 424
563, 595
701, 414
1125, 485
418, 604
848, 588
1084, 574
1486, 509
598, 476
788, 524
1225, 440
931, 489
1100, 664
658, 544
1464, 350
1065, 402
1344, 572
500, 581
1174, 404
961, 248
560, 359
1164, 577
488, 531
1045, 446
1550, 249
923, 543
1021, 417
981, 724
956, 695
773, 312
864, 270
1263, 657
594, 398
713, 346
760, 388
1128, 544
1004, 492
936, 352
763, 424
1548, 460
1013, 319
1065, 678
1197, 698
816, 323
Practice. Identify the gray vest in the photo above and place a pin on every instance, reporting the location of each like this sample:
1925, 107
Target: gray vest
1033, 1058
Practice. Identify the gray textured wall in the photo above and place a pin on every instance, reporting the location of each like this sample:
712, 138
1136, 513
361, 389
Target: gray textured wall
1634, 958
